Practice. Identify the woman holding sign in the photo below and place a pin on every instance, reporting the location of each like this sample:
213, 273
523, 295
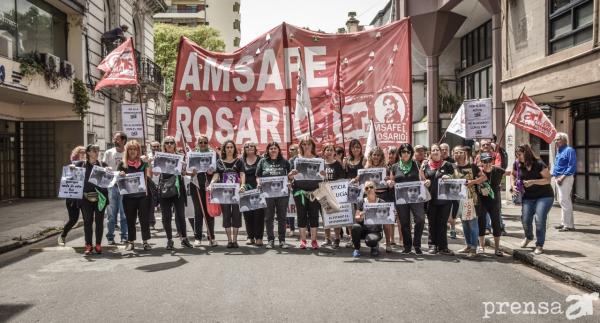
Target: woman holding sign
352, 164
172, 195
333, 171
371, 233
307, 210
137, 205
198, 194
438, 210
230, 169
255, 219
78, 154
271, 165
407, 170
94, 201
376, 159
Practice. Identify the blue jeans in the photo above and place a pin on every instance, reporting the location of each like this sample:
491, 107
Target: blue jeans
536, 209
115, 207
471, 232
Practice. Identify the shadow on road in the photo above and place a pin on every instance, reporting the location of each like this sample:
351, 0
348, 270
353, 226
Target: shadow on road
8, 311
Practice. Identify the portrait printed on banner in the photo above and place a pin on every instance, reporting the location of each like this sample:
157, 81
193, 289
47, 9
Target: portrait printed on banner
133, 183
167, 163
202, 161
73, 173
390, 108
101, 176
275, 186
252, 200
379, 213
309, 169
376, 175
411, 192
225, 193
452, 189
355, 193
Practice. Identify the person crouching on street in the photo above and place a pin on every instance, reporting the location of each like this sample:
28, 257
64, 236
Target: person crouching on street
370, 233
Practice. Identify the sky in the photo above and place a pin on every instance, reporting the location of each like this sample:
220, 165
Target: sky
259, 16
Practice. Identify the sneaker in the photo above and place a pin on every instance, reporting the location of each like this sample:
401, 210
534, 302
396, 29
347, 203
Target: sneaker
472, 253
525, 243
558, 227
249, 242
270, 244
498, 253
314, 244
393, 243
282, 245
61, 240
356, 253
480, 250
466, 249
146, 246
565, 229
336, 243
213, 243
129, 246
303, 244
197, 243
418, 251
375, 252
349, 244
326, 243
388, 248
446, 252
88, 250
170, 244
406, 251
432, 250
452, 234
258, 243
538, 250
186, 243
111, 242
123, 241
98, 249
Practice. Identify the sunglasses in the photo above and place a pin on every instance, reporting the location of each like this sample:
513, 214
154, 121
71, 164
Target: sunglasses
405, 152
249, 146
486, 161
229, 147
367, 188
203, 142
169, 143
293, 149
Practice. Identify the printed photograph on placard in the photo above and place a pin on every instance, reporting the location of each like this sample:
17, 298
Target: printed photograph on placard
376, 175
71, 183
452, 189
101, 176
133, 183
73, 173
355, 193
225, 193
309, 169
275, 186
411, 192
343, 218
379, 213
201, 161
167, 163
252, 200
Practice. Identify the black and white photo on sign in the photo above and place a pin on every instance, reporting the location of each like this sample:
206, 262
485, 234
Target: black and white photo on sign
376, 175
309, 169
133, 120
102, 177
225, 193
339, 190
275, 186
71, 183
167, 163
252, 200
131, 183
355, 193
201, 161
379, 213
452, 189
411, 192
339, 219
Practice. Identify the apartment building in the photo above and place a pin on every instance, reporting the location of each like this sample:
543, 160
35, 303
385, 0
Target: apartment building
223, 15
45, 46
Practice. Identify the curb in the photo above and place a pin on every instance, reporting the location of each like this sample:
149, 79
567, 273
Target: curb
37, 237
568, 274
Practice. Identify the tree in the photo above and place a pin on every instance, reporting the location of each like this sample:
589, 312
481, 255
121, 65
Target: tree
166, 43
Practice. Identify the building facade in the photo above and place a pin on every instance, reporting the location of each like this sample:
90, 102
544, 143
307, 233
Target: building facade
223, 15
59, 40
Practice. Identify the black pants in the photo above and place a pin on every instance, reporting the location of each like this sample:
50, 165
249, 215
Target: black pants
255, 223
231, 216
137, 208
437, 216
201, 213
166, 207
418, 212
455, 205
91, 214
493, 208
73, 210
308, 214
276, 209
360, 231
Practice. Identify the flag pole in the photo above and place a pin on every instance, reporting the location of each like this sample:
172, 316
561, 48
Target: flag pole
143, 120
340, 107
499, 142
288, 91
374, 133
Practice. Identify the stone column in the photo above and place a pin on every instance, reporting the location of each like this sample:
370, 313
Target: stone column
433, 113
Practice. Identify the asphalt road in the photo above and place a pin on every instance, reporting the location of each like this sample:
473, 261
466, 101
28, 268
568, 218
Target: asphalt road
253, 284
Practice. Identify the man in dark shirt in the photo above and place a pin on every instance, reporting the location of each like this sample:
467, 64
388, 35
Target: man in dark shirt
111, 36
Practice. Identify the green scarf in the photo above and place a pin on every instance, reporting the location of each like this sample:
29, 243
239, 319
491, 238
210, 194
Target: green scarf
101, 200
405, 168
302, 194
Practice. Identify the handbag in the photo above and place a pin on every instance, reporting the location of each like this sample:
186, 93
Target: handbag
91, 196
517, 191
326, 198
168, 188
214, 209
466, 210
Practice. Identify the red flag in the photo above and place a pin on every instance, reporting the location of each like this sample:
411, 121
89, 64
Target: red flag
529, 117
119, 67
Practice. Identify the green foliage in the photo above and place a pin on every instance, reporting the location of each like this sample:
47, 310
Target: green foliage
166, 44
447, 101
31, 65
80, 98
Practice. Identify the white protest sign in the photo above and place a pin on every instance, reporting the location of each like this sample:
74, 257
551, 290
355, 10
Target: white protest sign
309, 169
339, 190
133, 120
167, 163
71, 182
478, 119
201, 161
339, 219
274, 186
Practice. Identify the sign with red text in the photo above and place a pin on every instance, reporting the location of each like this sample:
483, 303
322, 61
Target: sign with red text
250, 95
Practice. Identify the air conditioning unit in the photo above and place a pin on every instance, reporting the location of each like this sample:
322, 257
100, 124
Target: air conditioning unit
51, 61
67, 69
6, 46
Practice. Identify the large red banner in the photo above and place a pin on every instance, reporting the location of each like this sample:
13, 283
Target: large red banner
529, 117
249, 95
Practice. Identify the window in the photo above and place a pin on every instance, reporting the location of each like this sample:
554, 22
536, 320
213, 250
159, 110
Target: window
236, 7
236, 42
478, 84
587, 147
476, 46
569, 23
236, 24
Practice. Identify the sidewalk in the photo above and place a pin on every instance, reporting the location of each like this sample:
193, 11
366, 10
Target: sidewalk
28, 221
573, 256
